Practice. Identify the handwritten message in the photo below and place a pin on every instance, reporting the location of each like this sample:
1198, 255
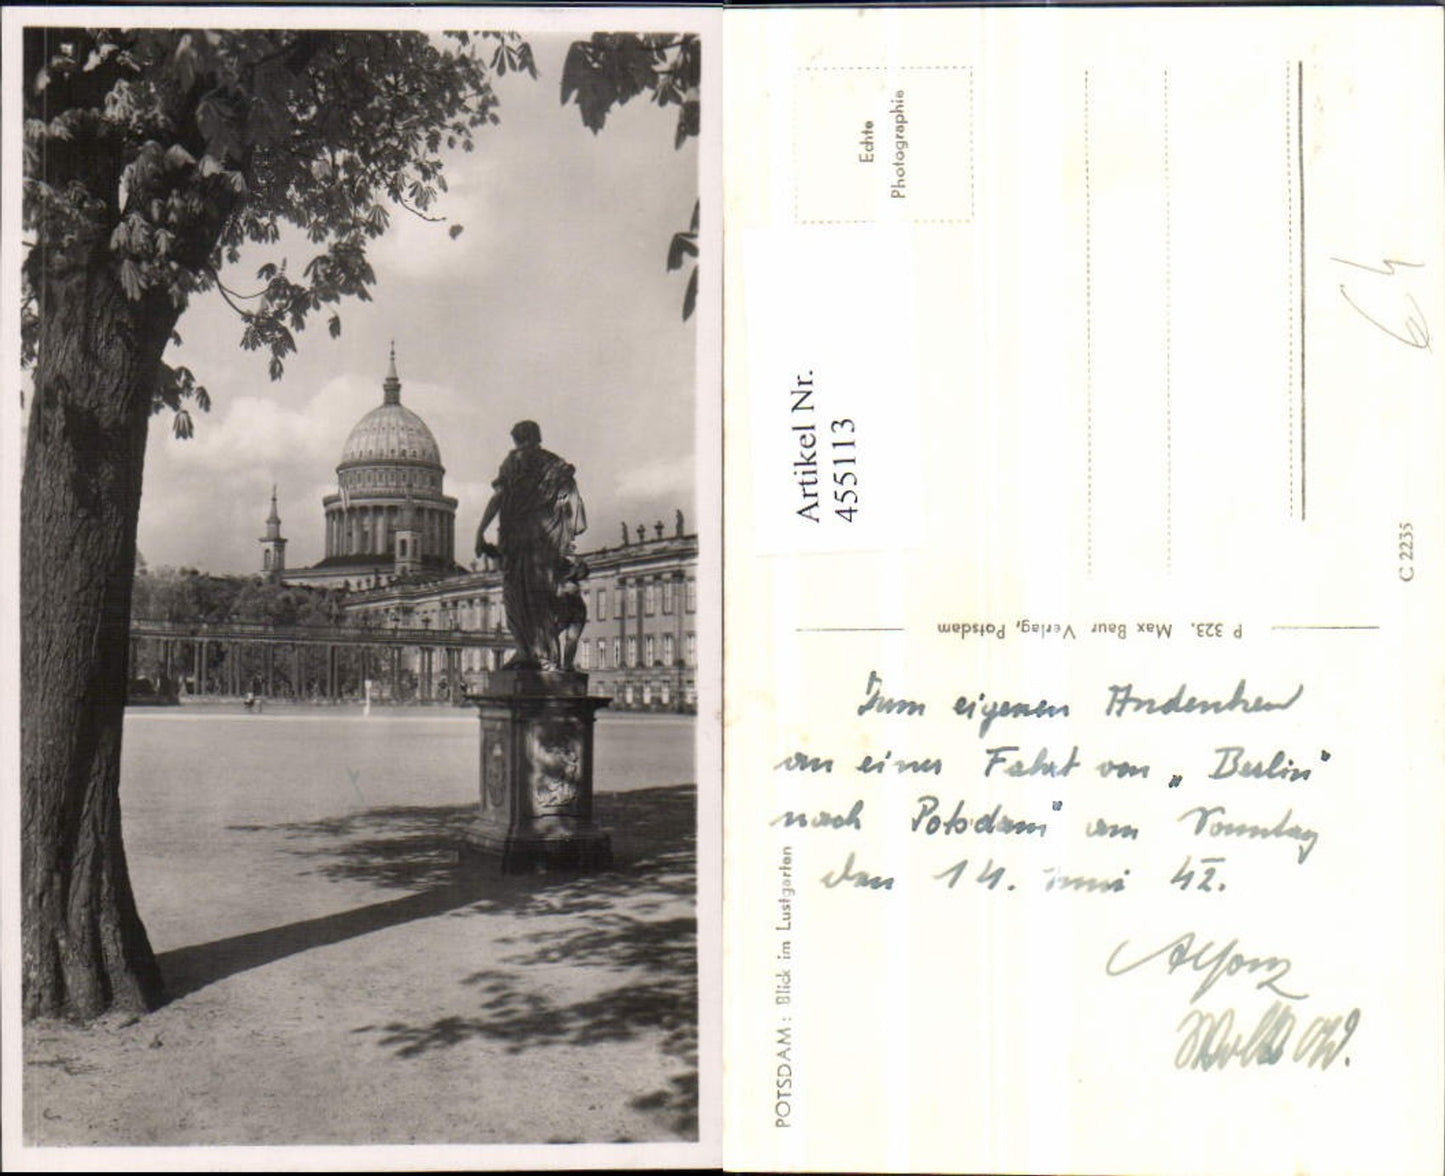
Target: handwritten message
1006, 795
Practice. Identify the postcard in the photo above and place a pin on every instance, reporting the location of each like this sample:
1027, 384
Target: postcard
361, 637
1083, 542
983, 716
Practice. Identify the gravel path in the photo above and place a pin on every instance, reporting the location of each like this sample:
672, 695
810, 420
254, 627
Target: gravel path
334, 979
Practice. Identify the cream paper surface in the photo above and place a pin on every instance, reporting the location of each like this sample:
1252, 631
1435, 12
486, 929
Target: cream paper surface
1083, 521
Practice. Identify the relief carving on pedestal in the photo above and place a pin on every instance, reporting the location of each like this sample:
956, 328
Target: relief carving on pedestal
554, 751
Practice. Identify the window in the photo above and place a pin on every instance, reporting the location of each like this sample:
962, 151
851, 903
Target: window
584, 655
649, 650
669, 651
692, 595
601, 654
647, 694
632, 601
667, 594
616, 653
602, 604
691, 656
649, 599
632, 651
665, 694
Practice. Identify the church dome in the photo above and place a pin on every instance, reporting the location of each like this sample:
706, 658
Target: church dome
390, 514
391, 432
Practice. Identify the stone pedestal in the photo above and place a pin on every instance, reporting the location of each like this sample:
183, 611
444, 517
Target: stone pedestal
536, 775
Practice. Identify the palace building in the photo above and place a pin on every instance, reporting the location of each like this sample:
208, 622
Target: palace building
390, 543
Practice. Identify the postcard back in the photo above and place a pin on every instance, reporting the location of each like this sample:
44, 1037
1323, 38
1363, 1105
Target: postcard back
1084, 533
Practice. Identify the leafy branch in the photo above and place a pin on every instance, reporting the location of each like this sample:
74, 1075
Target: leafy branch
159, 153
613, 68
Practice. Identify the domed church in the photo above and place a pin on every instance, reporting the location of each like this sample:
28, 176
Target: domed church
390, 541
389, 517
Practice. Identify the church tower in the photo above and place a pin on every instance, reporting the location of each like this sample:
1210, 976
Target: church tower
273, 550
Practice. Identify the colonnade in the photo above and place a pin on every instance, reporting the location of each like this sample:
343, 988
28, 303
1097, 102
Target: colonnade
408, 667
362, 529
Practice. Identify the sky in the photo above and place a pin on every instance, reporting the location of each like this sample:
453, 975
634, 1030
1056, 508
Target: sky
554, 304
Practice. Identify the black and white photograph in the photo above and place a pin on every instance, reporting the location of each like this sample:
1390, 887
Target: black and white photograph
361, 510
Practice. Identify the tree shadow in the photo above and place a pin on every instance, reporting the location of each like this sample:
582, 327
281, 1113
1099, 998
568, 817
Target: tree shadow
187, 969
414, 848
409, 847
634, 925
655, 997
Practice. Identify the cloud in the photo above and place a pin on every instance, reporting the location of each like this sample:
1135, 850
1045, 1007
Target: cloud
669, 479
554, 304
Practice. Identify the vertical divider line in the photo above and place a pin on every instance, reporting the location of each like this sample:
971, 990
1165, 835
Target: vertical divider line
1168, 344
1289, 212
1088, 345
971, 152
1299, 123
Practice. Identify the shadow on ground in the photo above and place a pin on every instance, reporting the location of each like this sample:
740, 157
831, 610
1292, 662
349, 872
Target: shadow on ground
634, 924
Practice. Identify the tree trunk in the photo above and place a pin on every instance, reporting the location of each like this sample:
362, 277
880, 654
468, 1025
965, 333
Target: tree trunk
85, 949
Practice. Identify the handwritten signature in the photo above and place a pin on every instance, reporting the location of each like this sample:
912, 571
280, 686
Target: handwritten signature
1413, 331
1210, 1041
1216, 965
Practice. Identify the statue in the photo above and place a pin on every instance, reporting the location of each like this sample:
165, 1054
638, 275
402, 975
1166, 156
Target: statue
541, 514
570, 611
537, 719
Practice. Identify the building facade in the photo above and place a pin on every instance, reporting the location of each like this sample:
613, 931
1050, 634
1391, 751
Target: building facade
640, 643
390, 543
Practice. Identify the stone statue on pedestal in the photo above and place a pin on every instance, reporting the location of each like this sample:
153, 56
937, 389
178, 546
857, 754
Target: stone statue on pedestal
535, 810
541, 514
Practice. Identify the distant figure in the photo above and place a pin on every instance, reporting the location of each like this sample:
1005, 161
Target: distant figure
250, 702
541, 514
